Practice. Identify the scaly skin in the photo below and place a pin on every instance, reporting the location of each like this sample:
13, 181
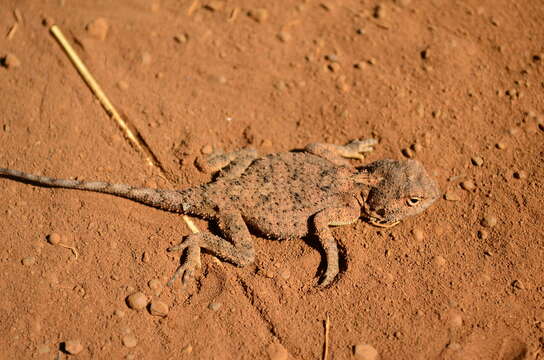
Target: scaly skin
283, 195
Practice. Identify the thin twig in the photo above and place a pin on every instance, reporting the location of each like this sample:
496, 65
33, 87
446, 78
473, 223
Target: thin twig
18, 16
12, 30
150, 158
193, 7
190, 224
74, 250
97, 90
326, 345
233, 15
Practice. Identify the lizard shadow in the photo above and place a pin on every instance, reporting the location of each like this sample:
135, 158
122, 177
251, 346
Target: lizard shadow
313, 242
310, 240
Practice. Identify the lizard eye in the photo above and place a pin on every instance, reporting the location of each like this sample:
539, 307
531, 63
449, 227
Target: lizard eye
413, 201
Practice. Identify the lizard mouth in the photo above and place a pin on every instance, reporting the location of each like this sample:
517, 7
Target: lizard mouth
382, 223
374, 219
378, 221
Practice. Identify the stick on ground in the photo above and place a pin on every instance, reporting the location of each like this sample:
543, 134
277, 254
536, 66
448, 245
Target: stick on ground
106, 103
134, 139
326, 344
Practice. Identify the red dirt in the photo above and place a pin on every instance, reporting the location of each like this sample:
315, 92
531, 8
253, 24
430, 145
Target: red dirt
454, 79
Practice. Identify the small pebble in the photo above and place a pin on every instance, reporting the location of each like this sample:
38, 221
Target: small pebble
277, 352
181, 38
454, 346
158, 308
285, 274
489, 221
365, 352
284, 36
73, 347
416, 147
407, 153
220, 79
155, 284
280, 85
440, 260
360, 65
214, 306
513, 131
334, 67
520, 175
500, 145
29, 260
188, 349
48, 21
146, 58
331, 57
516, 284
215, 5
54, 238
477, 160
206, 149
379, 12
483, 234
259, 15
98, 28
343, 87
452, 196
123, 85
360, 31
418, 234
43, 349
129, 340
468, 185
327, 6
11, 61
425, 54
137, 301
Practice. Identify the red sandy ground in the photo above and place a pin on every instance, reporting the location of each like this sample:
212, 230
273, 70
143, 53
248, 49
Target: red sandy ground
456, 80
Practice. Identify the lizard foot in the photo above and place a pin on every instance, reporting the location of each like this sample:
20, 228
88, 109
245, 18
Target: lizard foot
356, 148
186, 270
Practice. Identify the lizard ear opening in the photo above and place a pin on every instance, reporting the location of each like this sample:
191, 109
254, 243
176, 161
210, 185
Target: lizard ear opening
365, 177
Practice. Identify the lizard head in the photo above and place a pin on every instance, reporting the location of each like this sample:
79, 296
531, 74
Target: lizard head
396, 189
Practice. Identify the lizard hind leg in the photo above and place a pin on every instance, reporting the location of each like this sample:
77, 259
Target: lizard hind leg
236, 247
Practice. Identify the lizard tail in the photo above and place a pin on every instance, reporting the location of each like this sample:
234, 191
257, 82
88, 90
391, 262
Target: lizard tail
169, 200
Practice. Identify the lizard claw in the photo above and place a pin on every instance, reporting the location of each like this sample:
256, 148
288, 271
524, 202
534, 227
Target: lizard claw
191, 263
356, 148
185, 272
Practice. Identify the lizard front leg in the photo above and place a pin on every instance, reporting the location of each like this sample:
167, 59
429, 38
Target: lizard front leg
337, 154
335, 216
236, 246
